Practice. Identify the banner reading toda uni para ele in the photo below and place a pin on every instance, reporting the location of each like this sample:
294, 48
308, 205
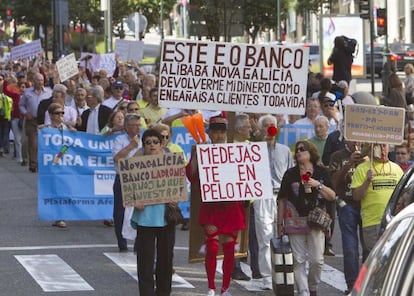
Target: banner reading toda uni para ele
153, 179
237, 171
233, 77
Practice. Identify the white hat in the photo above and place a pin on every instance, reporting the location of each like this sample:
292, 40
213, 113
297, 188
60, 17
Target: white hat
329, 96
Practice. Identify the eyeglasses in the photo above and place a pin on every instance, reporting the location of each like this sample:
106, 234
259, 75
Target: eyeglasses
132, 110
122, 107
58, 113
329, 104
149, 142
118, 87
165, 137
300, 149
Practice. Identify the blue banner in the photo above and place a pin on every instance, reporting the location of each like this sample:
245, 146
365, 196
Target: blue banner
79, 185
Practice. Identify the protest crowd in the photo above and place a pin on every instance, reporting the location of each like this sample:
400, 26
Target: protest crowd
325, 170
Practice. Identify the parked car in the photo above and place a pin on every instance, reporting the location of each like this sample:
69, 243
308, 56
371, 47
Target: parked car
378, 59
389, 267
402, 54
402, 196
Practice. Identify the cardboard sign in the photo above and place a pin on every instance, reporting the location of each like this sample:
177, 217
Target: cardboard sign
67, 67
129, 49
374, 124
237, 171
153, 179
233, 77
26, 50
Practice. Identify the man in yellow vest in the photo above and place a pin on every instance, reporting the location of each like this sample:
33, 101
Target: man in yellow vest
6, 104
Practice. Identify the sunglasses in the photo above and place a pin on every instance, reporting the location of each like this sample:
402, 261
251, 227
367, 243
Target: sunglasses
149, 142
119, 87
134, 109
58, 113
122, 107
165, 137
300, 149
329, 104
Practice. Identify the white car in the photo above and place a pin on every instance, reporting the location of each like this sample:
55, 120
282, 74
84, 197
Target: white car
389, 268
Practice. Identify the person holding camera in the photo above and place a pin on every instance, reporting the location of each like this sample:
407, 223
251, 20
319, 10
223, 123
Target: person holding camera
342, 60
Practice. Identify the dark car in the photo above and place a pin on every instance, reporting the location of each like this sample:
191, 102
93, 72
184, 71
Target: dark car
389, 267
402, 196
378, 59
402, 54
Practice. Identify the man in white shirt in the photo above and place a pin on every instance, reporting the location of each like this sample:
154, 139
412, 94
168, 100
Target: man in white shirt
116, 98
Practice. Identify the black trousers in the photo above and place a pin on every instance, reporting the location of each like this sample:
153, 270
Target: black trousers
151, 240
119, 211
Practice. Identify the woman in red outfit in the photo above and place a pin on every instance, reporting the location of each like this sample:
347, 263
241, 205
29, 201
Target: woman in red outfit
218, 218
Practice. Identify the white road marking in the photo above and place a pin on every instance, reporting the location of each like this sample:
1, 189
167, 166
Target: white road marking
330, 276
52, 273
33, 248
128, 262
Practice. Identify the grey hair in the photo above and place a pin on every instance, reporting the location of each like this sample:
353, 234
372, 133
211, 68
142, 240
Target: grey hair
129, 117
98, 93
267, 116
60, 87
132, 72
239, 120
323, 118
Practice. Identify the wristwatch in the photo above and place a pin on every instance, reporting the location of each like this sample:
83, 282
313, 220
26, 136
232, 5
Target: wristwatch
319, 186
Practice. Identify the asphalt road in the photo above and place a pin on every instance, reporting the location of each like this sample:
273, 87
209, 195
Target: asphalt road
36, 258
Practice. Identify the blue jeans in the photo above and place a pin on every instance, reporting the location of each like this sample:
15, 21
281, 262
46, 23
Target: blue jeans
349, 219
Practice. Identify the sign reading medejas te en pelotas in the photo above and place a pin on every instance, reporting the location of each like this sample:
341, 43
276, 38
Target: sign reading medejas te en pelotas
233, 77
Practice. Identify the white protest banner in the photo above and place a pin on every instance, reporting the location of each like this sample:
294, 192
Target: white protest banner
96, 62
26, 50
129, 49
237, 171
67, 67
153, 179
374, 124
233, 77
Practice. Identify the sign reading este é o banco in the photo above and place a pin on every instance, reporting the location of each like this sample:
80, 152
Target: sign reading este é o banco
374, 124
153, 179
233, 77
237, 171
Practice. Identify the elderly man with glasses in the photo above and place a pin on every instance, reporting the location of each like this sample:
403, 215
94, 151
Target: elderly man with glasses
116, 99
125, 145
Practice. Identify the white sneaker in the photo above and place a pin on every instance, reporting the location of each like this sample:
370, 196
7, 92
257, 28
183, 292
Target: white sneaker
226, 293
211, 292
267, 283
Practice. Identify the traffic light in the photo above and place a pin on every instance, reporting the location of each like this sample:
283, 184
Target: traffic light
364, 9
381, 21
9, 15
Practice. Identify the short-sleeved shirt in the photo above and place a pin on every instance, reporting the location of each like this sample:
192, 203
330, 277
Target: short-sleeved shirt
386, 177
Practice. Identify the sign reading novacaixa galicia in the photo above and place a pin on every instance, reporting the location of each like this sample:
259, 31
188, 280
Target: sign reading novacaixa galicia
153, 179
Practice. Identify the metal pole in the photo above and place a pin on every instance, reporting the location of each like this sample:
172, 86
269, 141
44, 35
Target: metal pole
372, 37
109, 25
387, 67
162, 20
279, 39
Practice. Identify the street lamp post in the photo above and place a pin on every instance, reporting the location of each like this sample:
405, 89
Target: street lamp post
162, 20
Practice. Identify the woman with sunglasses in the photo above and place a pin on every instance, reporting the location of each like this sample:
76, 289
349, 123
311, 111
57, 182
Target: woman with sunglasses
153, 233
304, 186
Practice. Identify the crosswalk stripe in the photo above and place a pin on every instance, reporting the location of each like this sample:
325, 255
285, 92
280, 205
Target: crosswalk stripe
52, 273
330, 276
128, 262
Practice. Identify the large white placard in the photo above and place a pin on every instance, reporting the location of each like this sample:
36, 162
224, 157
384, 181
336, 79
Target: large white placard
233, 77
26, 50
237, 171
67, 67
129, 49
